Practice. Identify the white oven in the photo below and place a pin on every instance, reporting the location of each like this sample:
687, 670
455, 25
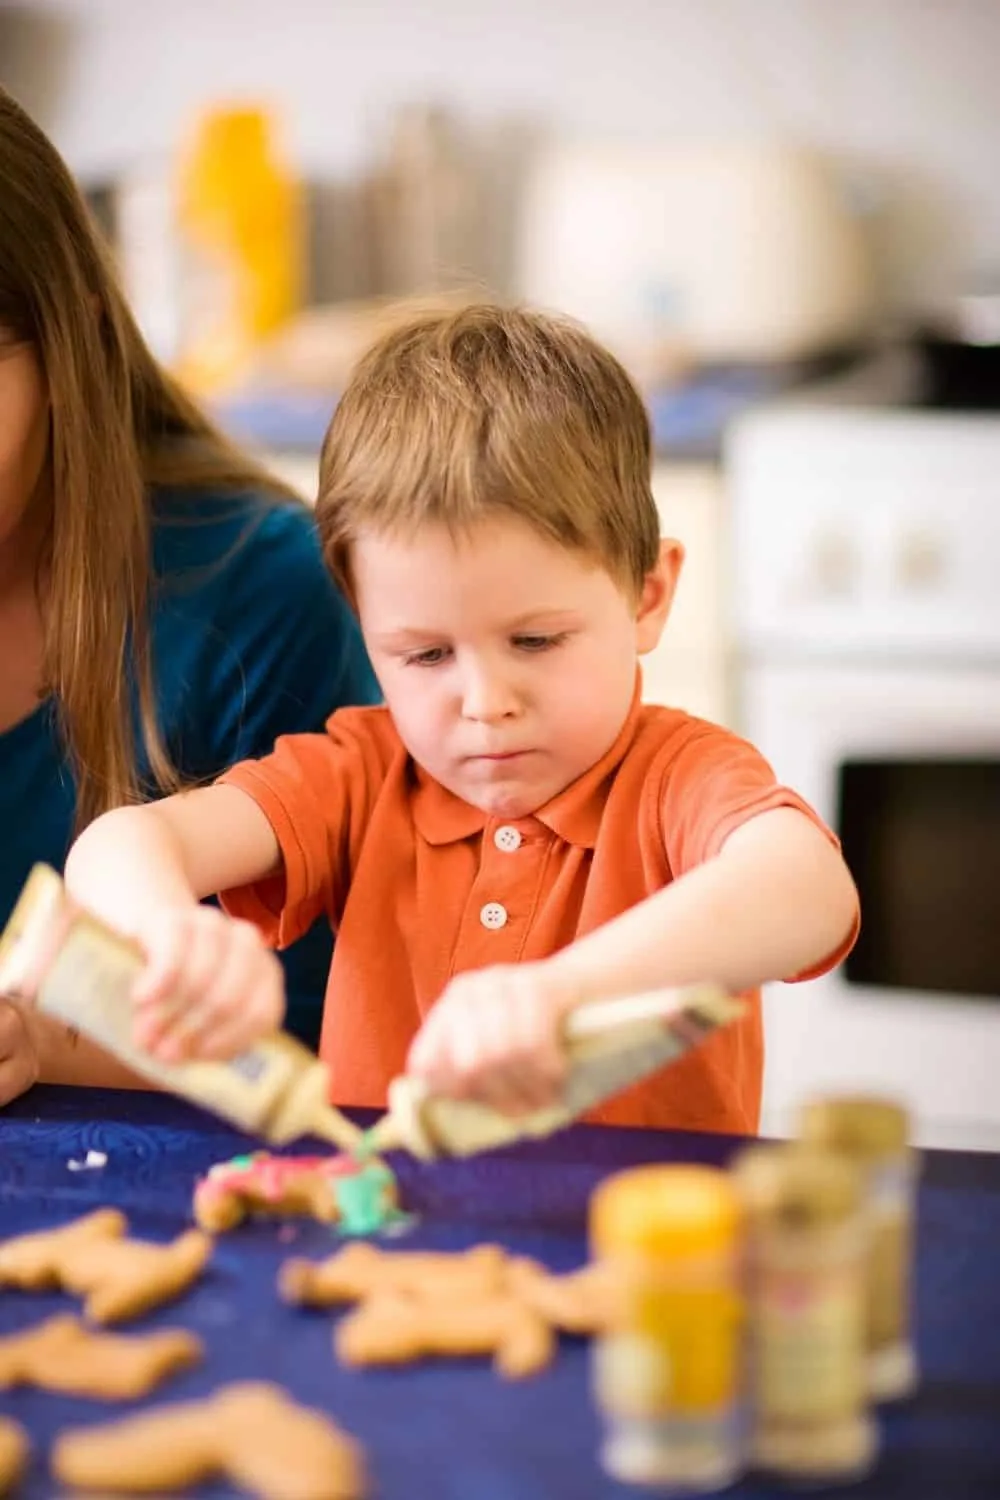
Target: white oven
867, 607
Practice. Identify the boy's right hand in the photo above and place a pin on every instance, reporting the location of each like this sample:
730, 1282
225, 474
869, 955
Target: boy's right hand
210, 988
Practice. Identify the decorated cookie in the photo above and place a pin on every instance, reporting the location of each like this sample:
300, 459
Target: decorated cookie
359, 1195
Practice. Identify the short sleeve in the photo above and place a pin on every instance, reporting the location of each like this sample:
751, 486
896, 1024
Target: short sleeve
711, 783
317, 792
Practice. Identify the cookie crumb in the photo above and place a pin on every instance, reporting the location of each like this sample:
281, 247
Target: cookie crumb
92, 1160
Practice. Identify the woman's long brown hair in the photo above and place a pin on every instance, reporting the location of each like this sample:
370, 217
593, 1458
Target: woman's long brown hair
119, 424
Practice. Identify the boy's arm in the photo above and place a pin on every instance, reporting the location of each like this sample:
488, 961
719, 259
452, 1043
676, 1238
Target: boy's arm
135, 860
209, 986
776, 901
127, 867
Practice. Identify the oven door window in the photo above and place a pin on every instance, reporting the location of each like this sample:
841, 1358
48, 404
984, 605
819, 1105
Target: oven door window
922, 839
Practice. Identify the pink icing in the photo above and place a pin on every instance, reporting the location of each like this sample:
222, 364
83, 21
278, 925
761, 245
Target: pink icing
269, 1177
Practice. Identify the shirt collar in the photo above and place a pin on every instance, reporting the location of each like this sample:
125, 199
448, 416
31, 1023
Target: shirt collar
574, 815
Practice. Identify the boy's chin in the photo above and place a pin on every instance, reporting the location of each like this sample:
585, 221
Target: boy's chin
511, 807
501, 801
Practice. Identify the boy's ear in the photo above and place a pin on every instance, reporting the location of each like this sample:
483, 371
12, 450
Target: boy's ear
658, 594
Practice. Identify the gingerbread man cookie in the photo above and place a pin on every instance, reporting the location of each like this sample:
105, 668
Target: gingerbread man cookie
390, 1329
251, 1434
14, 1451
579, 1302
63, 1355
359, 1271
478, 1301
118, 1278
34, 1262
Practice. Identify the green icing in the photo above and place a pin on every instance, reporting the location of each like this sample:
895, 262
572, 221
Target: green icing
364, 1200
365, 1147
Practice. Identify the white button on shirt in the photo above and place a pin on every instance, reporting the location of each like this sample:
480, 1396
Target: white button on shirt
493, 915
506, 838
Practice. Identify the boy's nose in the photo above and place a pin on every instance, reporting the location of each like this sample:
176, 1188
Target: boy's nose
487, 696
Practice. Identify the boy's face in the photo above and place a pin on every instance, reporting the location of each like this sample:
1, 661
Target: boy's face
508, 662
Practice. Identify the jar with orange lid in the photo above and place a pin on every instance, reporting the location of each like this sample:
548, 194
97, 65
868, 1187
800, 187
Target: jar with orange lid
807, 1245
667, 1372
875, 1133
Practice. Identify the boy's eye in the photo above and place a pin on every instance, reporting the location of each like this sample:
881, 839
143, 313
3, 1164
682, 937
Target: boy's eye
538, 642
433, 656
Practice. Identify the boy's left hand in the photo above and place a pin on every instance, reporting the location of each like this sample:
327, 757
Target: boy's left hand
495, 1036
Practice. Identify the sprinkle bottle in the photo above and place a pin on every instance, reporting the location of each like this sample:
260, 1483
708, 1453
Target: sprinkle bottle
667, 1373
876, 1134
807, 1245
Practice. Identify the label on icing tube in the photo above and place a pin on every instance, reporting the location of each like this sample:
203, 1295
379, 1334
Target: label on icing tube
89, 986
77, 970
601, 1064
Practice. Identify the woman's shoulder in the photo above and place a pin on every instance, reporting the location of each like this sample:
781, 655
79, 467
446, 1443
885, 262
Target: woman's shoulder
223, 529
251, 637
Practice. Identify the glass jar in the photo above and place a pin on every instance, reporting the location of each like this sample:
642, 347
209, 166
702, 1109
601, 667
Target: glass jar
875, 1133
667, 1373
807, 1244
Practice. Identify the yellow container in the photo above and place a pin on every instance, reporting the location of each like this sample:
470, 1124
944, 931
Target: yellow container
807, 1246
667, 1375
875, 1133
241, 221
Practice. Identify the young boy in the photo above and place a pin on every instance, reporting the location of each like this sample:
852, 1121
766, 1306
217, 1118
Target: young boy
514, 833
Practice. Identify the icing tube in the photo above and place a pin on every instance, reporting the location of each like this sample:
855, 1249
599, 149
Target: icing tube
610, 1044
73, 967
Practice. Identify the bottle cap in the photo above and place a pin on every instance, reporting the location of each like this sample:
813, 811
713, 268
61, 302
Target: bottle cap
863, 1126
664, 1210
797, 1186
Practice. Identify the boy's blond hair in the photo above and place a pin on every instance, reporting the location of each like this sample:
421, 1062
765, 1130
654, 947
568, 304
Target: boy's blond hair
458, 417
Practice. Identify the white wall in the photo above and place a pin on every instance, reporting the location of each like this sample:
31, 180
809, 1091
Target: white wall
906, 89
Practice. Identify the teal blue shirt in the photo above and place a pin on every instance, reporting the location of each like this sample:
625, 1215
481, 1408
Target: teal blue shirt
250, 639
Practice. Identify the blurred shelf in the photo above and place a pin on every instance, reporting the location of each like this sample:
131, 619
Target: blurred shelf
688, 420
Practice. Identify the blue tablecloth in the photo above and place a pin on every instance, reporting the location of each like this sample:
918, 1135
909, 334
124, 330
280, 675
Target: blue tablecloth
452, 1430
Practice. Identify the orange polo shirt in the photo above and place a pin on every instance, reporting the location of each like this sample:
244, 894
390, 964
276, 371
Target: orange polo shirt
419, 885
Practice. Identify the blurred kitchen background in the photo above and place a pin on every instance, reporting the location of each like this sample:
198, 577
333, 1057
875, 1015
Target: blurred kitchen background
784, 215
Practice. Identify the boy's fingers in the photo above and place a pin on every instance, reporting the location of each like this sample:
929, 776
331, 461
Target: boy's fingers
227, 1022
425, 1054
164, 1026
181, 959
160, 976
244, 1001
233, 1031
226, 1039
510, 1090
